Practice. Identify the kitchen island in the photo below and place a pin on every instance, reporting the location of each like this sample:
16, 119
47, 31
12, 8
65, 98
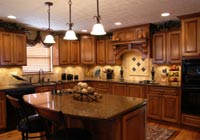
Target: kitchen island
113, 117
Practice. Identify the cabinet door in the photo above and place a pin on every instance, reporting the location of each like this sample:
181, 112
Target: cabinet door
101, 53
88, 49
55, 54
119, 89
2, 111
75, 52
170, 111
159, 48
6, 49
154, 106
110, 56
191, 37
174, 47
64, 52
102, 87
135, 91
20, 57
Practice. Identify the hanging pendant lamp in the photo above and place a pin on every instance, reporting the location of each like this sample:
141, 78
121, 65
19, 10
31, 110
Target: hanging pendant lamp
70, 34
49, 38
98, 28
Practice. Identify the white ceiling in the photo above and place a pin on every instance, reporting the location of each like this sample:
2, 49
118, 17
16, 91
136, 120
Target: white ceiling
33, 13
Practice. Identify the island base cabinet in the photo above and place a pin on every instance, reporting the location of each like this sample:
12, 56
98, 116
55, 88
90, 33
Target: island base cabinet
2, 110
131, 126
134, 125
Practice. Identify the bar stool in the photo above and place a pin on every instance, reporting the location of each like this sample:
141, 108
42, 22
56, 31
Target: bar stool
56, 126
26, 123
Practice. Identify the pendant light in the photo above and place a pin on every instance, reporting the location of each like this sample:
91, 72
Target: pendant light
70, 34
98, 28
49, 38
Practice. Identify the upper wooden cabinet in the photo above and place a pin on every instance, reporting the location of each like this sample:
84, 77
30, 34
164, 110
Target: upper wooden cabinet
191, 36
69, 52
105, 52
167, 47
88, 49
13, 49
131, 33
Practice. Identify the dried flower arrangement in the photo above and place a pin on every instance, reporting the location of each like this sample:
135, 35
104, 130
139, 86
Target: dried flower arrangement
108, 70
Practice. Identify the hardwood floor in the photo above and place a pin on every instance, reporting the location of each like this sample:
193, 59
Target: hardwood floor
183, 133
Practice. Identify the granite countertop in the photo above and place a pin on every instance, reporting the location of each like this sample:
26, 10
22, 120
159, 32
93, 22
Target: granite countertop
109, 107
24, 85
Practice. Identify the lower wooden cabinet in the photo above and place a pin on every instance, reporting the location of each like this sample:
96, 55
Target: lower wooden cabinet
190, 120
2, 110
164, 103
44, 88
119, 89
102, 87
135, 91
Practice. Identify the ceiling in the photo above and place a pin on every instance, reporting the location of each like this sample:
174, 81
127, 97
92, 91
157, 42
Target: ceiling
33, 13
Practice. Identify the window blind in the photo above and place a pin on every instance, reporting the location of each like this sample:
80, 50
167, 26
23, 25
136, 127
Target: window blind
38, 58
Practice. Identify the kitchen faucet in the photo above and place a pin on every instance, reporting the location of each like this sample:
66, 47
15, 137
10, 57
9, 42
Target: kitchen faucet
41, 79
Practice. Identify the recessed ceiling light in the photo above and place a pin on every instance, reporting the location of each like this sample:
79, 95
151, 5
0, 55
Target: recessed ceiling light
118, 23
165, 14
11, 17
84, 31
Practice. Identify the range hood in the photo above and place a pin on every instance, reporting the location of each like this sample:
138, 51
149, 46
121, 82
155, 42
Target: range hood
121, 47
135, 38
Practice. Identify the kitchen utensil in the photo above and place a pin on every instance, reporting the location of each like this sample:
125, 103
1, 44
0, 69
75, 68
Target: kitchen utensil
18, 77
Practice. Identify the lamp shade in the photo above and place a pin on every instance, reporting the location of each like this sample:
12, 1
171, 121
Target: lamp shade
70, 35
49, 39
98, 29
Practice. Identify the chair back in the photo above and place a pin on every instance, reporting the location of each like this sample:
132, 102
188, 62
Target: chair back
54, 121
17, 104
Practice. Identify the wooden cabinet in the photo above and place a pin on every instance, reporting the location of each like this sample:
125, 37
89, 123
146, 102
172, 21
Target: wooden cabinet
190, 120
119, 89
102, 87
2, 110
69, 52
88, 49
190, 36
105, 52
167, 47
131, 33
101, 52
135, 91
164, 103
12, 49
44, 88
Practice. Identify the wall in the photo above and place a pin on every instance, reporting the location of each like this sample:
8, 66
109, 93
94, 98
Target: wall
135, 69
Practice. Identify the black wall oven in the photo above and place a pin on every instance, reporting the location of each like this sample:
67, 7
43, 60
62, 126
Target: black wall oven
191, 86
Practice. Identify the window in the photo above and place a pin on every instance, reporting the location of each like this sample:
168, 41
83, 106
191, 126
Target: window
38, 58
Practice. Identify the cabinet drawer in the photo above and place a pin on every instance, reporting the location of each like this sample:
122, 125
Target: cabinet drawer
191, 120
163, 90
101, 85
44, 88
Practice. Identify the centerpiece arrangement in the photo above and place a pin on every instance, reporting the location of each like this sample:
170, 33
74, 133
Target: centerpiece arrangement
83, 92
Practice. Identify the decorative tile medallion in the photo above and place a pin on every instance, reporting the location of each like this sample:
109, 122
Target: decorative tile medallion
136, 65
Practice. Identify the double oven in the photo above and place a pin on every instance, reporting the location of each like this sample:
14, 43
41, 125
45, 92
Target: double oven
191, 86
